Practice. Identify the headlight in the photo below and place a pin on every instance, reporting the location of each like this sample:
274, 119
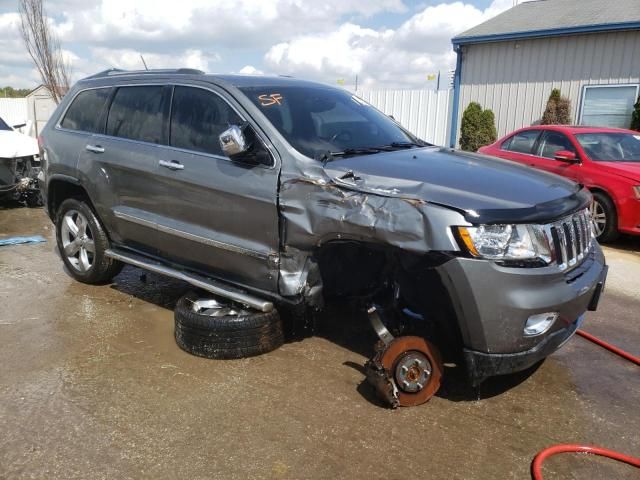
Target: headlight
636, 190
507, 242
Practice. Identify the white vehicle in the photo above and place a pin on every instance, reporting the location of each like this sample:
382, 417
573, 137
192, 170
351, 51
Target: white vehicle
19, 166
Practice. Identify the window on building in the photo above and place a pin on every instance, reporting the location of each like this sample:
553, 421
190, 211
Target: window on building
198, 117
553, 142
522, 142
136, 114
608, 105
84, 112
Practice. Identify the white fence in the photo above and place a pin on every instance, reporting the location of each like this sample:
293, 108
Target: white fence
14, 111
425, 113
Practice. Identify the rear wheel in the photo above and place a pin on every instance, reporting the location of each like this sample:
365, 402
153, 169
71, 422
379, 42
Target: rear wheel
605, 218
82, 243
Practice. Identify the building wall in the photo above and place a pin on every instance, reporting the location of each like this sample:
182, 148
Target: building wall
425, 113
40, 108
514, 78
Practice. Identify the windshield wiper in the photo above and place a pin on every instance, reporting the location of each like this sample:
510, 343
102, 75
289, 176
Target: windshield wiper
396, 145
329, 156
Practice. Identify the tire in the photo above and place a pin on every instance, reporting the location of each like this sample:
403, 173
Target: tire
233, 333
85, 266
605, 218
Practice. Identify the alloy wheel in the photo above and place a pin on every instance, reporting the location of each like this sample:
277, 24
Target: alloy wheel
77, 241
599, 218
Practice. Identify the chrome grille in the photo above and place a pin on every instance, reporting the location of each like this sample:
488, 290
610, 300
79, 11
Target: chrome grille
570, 239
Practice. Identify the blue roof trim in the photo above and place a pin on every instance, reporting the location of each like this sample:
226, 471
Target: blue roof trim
603, 27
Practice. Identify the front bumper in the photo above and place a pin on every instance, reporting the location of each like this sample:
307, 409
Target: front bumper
493, 303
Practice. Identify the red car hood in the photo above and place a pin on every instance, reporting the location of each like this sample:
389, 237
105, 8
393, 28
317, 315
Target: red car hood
630, 170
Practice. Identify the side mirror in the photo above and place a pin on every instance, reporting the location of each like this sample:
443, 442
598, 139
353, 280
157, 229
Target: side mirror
233, 141
565, 156
241, 144
19, 125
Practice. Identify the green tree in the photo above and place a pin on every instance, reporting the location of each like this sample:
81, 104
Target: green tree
477, 128
635, 116
558, 110
10, 92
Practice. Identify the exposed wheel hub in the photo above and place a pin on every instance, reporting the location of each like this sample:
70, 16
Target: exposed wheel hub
405, 372
412, 372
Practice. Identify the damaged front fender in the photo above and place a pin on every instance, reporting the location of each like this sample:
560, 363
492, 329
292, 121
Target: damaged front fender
316, 209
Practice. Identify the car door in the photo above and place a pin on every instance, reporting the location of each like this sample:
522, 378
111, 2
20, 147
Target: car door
123, 162
520, 147
550, 142
219, 216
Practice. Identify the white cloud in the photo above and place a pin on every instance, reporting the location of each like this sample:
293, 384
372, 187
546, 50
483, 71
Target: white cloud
308, 38
241, 23
250, 70
129, 59
401, 58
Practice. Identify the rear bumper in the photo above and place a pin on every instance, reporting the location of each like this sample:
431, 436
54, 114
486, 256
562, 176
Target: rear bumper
493, 304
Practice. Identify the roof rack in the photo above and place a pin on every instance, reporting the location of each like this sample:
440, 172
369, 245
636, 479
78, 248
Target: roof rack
118, 71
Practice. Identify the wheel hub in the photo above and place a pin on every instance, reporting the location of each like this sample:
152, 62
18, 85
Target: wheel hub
412, 372
405, 372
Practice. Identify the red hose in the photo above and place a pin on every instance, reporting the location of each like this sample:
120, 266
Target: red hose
536, 465
609, 347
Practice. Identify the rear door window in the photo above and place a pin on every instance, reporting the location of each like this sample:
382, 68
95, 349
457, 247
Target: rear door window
522, 142
136, 113
85, 111
553, 142
198, 117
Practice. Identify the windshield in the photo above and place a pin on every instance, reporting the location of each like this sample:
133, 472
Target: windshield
4, 126
611, 146
317, 120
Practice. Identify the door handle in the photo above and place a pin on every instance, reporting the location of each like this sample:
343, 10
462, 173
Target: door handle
95, 148
172, 165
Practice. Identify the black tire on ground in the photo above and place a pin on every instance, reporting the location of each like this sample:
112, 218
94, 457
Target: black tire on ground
247, 334
102, 268
604, 205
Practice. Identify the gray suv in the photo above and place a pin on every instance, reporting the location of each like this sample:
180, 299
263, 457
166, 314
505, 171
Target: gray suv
278, 194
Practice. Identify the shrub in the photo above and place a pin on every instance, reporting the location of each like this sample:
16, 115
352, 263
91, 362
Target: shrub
558, 110
635, 116
477, 128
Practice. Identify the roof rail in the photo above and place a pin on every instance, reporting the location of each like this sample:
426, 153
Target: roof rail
117, 71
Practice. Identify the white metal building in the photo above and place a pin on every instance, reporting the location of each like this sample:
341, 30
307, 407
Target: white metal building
40, 105
589, 49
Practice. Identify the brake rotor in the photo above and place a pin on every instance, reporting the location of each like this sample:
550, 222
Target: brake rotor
414, 367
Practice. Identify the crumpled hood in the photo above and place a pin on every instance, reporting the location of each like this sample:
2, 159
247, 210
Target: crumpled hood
485, 189
15, 144
630, 170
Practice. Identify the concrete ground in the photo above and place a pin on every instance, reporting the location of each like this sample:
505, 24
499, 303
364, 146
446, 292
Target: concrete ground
92, 385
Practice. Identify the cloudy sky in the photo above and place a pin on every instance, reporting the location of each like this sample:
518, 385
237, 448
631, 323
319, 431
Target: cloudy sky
387, 43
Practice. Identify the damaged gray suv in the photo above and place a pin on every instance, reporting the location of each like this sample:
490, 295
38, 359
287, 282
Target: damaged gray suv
276, 195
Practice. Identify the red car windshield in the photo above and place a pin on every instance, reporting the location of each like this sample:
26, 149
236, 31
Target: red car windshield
611, 146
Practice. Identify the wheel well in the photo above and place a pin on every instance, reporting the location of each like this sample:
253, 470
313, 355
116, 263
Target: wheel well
59, 190
603, 192
369, 273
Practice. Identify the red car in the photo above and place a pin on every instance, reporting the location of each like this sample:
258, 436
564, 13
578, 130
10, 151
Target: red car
605, 160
